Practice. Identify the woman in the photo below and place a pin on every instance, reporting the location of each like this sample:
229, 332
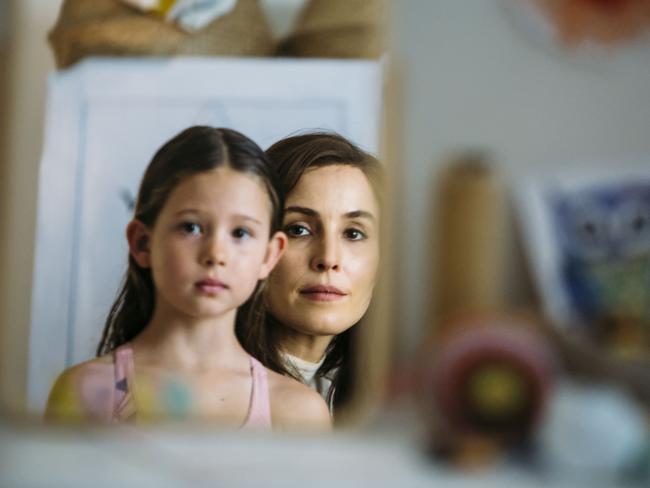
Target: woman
320, 290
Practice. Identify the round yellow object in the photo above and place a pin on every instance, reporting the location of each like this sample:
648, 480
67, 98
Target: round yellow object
497, 390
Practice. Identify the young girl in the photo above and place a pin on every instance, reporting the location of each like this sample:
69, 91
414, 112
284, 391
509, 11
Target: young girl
204, 235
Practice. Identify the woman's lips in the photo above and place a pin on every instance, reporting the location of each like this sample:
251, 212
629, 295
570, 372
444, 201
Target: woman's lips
322, 293
210, 286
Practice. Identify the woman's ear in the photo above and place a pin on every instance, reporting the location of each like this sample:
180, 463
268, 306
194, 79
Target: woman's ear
138, 236
274, 250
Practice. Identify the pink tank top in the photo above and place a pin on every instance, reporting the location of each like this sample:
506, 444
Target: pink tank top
124, 407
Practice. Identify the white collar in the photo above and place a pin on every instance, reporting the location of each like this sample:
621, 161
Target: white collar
307, 369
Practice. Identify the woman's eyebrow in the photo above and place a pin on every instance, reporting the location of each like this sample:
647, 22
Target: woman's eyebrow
309, 212
363, 214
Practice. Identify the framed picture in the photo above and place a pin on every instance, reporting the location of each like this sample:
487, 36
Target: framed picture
587, 237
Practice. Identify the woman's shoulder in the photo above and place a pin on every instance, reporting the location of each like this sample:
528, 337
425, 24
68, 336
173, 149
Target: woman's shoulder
83, 392
295, 406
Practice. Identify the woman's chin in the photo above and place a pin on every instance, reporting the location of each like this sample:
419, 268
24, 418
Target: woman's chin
324, 324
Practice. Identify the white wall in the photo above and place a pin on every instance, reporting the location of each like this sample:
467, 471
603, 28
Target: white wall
470, 78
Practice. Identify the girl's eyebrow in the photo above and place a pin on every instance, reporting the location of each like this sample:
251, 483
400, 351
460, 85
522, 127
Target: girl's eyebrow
249, 218
310, 212
240, 216
188, 211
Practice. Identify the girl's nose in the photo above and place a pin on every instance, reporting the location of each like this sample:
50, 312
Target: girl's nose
327, 255
214, 253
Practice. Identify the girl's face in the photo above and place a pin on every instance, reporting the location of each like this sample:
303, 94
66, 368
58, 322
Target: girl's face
210, 243
324, 282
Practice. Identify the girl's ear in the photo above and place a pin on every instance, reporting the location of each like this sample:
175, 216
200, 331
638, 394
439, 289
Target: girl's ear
138, 236
274, 250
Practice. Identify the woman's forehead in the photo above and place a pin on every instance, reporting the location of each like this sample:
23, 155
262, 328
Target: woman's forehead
334, 188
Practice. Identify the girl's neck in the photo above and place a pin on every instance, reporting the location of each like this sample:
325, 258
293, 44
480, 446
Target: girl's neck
184, 343
309, 348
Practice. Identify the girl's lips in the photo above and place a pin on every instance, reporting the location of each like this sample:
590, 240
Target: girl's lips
210, 286
322, 293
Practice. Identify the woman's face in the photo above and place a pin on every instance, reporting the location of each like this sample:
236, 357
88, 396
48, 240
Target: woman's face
324, 282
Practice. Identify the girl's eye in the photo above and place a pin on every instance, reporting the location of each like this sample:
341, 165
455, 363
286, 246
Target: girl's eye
191, 228
296, 230
354, 234
241, 233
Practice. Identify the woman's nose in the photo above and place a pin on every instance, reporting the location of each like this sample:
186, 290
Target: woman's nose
327, 255
214, 252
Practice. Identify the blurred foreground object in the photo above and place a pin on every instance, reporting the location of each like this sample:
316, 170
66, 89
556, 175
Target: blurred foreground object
594, 433
487, 379
112, 28
338, 29
190, 15
471, 216
487, 375
600, 21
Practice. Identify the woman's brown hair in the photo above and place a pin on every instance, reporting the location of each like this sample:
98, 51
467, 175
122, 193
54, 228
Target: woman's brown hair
291, 158
195, 150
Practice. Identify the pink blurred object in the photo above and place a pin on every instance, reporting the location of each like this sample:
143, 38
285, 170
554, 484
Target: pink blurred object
600, 21
489, 377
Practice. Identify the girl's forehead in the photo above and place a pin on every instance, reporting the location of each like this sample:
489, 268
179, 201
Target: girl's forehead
221, 189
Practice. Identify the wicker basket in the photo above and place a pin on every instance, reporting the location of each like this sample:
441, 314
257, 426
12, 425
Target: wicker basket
111, 28
337, 29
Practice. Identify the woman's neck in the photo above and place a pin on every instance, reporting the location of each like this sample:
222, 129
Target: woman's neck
309, 348
173, 340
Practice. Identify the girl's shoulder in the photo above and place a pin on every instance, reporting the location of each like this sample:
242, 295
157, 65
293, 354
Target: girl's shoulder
295, 406
83, 392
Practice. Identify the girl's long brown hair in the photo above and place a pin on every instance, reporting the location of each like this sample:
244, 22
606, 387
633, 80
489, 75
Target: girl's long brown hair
291, 158
195, 150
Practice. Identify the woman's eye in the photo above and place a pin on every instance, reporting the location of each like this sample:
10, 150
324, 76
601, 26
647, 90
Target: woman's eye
354, 234
241, 233
191, 228
296, 230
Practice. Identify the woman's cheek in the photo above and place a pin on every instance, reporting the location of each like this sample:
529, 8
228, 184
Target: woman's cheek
291, 263
364, 266
280, 277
